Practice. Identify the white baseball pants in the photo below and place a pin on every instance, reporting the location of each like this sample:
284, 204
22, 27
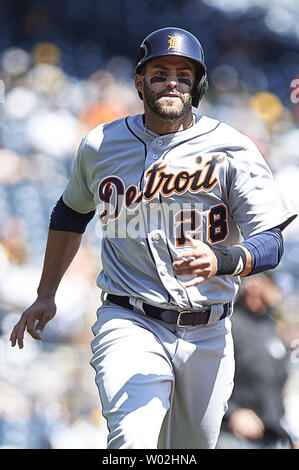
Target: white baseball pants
161, 386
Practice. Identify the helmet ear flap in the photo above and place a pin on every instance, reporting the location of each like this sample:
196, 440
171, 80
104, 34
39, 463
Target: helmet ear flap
199, 90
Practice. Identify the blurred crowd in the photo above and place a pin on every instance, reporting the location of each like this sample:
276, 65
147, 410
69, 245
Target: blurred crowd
56, 84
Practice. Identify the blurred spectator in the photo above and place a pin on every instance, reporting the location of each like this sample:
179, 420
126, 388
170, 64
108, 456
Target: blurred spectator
255, 418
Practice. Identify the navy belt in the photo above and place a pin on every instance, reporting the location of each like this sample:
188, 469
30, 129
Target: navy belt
184, 318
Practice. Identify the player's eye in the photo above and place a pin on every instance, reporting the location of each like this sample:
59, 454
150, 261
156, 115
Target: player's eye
160, 73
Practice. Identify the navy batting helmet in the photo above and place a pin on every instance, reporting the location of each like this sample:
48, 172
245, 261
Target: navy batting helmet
175, 41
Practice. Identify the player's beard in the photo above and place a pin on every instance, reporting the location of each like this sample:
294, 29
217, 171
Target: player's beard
171, 112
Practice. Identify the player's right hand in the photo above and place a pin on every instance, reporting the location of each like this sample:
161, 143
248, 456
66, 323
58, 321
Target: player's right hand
34, 319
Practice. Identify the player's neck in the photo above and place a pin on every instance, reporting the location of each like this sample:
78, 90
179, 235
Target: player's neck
163, 126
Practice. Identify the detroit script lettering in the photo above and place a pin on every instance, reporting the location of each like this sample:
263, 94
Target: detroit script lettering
158, 180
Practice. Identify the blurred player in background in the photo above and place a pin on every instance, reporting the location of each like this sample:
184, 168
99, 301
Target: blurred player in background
255, 418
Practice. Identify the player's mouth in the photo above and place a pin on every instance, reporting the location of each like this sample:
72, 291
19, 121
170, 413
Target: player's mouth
170, 96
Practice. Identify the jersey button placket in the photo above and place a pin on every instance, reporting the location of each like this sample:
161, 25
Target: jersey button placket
163, 262
155, 150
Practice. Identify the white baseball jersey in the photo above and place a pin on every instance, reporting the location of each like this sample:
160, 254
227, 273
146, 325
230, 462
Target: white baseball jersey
209, 180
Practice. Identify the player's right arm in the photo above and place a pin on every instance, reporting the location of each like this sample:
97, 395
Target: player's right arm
61, 249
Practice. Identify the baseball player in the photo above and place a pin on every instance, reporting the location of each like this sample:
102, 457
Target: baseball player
187, 205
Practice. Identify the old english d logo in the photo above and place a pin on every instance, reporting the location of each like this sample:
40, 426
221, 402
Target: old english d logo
174, 42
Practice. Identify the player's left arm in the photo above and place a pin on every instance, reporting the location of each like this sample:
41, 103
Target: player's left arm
258, 253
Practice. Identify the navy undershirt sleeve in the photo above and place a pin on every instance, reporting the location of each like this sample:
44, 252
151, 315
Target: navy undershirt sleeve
266, 249
66, 219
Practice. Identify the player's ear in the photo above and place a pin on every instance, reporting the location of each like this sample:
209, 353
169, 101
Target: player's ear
139, 81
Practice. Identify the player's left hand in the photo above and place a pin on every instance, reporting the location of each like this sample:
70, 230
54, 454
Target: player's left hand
198, 260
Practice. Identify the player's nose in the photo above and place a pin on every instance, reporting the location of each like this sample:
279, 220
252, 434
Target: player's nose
172, 82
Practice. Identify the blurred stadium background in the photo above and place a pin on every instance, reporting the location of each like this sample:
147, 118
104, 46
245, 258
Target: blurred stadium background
66, 66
